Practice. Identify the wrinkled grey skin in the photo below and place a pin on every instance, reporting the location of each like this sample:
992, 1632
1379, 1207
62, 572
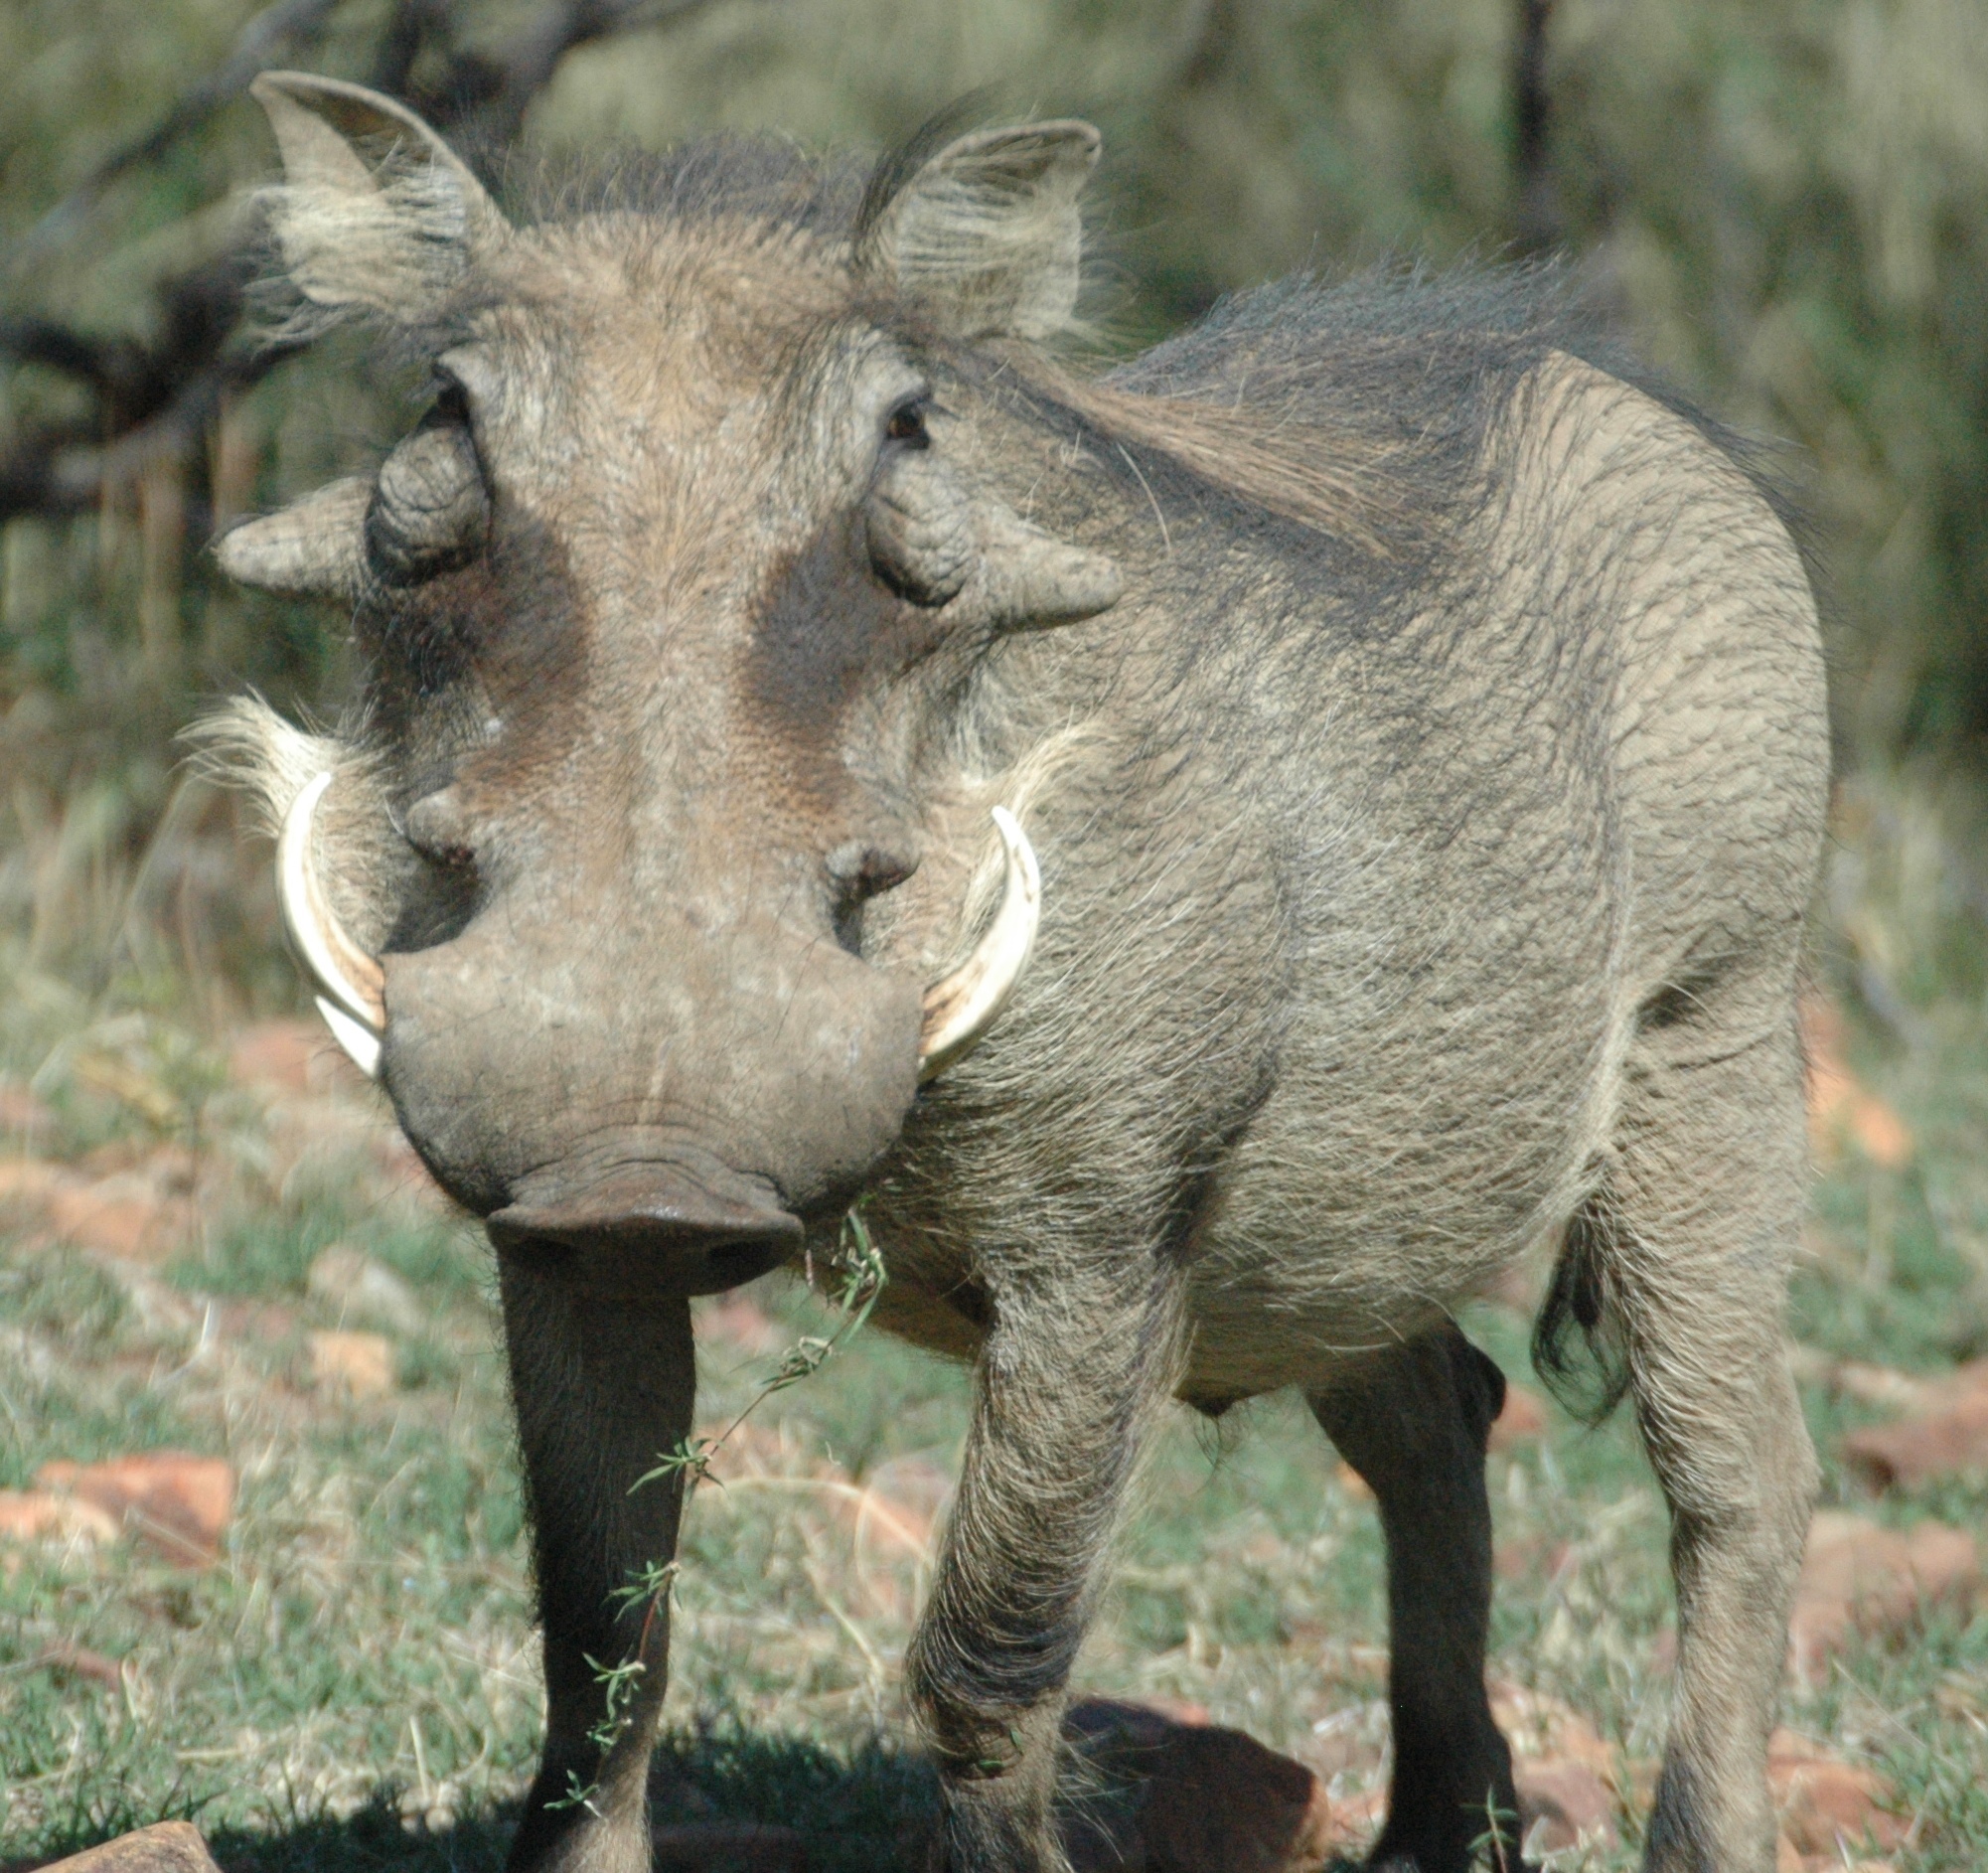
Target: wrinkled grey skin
1421, 734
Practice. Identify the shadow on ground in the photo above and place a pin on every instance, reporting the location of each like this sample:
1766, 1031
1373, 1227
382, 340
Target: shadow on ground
866, 1814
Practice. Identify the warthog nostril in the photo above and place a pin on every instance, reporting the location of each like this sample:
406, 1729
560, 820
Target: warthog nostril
858, 873
863, 870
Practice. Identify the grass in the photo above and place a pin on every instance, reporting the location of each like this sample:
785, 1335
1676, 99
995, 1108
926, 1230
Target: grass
355, 1684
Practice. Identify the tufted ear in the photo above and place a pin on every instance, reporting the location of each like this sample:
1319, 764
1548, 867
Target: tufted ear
985, 234
375, 213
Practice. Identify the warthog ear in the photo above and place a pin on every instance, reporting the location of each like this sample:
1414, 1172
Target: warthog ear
314, 548
377, 212
985, 234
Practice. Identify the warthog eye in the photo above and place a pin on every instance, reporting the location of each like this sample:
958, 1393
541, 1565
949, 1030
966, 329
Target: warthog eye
906, 423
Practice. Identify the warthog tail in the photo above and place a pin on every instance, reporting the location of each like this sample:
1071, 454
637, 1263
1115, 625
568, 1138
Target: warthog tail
1578, 1343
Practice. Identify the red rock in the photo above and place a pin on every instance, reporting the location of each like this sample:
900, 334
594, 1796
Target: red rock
1530, 1557
42, 1514
1539, 1726
167, 1847
1218, 1802
177, 1504
1522, 1420
1946, 1436
1562, 1804
1881, 1385
1838, 1105
360, 1363
79, 1662
1857, 1577
26, 1181
125, 1215
734, 1318
289, 1057
23, 1117
1827, 1805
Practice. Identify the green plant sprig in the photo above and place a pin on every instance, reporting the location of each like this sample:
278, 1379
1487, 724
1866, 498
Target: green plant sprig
860, 1264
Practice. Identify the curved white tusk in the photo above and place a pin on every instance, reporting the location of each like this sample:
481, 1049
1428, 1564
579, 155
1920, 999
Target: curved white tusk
961, 1007
359, 1040
353, 1001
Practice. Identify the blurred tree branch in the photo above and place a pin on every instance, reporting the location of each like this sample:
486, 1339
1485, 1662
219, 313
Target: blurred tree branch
1539, 220
159, 399
289, 23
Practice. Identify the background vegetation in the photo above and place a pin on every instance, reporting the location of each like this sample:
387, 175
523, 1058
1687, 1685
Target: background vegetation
1785, 202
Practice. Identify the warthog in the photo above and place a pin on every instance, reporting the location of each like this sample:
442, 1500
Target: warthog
1414, 739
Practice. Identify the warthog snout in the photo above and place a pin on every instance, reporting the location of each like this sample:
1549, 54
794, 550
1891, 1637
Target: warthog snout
740, 1082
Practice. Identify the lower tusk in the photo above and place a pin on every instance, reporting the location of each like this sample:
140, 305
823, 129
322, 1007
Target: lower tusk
961, 1007
359, 1040
354, 986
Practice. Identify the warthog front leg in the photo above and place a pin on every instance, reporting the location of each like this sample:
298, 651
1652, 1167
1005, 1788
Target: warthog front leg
1413, 1422
602, 1382
1070, 1379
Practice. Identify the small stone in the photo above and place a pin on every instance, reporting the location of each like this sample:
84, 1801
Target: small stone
167, 1847
1946, 1435
352, 1282
43, 1515
1218, 1802
735, 1318
1857, 1577
1881, 1385
289, 1057
1828, 1806
126, 1215
178, 1505
23, 1117
1562, 1804
361, 1363
78, 1662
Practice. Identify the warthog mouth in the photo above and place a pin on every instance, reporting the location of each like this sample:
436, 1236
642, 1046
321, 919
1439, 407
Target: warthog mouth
678, 1221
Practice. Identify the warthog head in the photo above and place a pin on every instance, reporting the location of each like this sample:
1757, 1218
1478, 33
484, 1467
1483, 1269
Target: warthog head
667, 606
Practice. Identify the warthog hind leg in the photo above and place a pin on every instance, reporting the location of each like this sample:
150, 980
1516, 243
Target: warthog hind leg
602, 1384
1699, 1216
1413, 1422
